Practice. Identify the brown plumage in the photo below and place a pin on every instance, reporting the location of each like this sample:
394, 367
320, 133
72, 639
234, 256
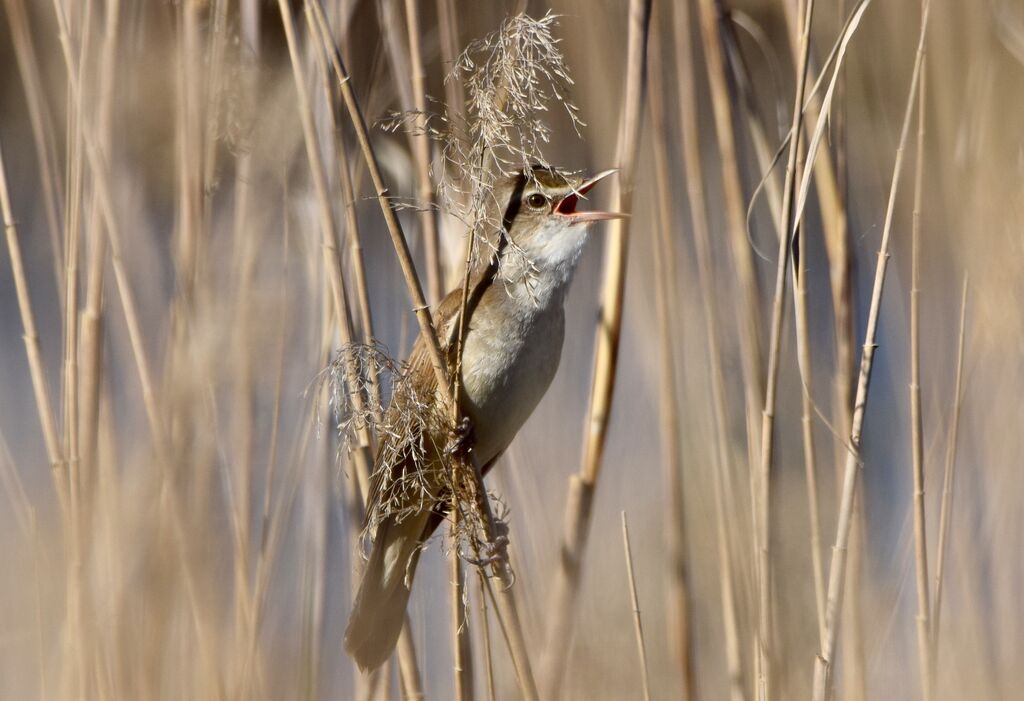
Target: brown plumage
511, 351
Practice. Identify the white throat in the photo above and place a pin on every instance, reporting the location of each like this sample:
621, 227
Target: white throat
538, 273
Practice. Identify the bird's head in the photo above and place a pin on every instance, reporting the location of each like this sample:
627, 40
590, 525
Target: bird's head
543, 216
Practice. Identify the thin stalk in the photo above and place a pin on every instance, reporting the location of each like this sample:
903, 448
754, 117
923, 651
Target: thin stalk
92, 314
40, 386
763, 529
394, 227
711, 14
462, 653
666, 273
506, 601
916, 428
946, 512
803, 340
485, 634
583, 485
41, 124
741, 74
72, 237
421, 155
332, 263
837, 571
721, 464
637, 624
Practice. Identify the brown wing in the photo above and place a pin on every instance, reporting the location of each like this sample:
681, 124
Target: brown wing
421, 373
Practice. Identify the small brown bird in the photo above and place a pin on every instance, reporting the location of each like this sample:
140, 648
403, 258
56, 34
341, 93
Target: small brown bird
512, 346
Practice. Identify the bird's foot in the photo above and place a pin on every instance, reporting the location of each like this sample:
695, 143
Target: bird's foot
461, 439
494, 553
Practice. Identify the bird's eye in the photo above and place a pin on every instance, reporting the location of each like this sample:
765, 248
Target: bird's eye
536, 200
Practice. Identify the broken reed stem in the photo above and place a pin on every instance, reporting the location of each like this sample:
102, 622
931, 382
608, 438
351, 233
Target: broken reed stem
946, 510
421, 156
666, 273
609, 328
763, 529
634, 599
721, 464
837, 571
506, 602
332, 263
749, 315
40, 386
916, 427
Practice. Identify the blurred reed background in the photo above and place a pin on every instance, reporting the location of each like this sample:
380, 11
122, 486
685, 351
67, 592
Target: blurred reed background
180, 519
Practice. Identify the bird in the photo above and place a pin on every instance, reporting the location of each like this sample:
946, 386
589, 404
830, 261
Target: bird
511, 349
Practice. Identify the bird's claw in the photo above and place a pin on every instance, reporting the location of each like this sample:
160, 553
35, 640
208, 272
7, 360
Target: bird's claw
461, 439
493, 554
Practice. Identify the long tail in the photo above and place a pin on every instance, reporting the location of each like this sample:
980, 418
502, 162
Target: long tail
379, 609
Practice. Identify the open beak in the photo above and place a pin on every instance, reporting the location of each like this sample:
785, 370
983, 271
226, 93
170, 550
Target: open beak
567, 207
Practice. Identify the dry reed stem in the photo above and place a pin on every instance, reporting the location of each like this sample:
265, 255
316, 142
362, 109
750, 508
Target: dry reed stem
747, 100
774, 197
41, 124
92, 327
749, 315
421, 156
40, 386
332, 263
763, 530
666, 273
485, 634
609, 328
807, 428
401, 245
946, 510
721, 464
638, 628
916, 428
75, 615
506, 602
837, 570
826, 177
462, 652
829, 179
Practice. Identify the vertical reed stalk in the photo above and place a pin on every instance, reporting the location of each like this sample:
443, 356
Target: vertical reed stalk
421, 154
666, 274
763, 528
917, 429
41, 123
506, 601
584, 484
837, 570
332, 263
721, 464
40, 386
711, 13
